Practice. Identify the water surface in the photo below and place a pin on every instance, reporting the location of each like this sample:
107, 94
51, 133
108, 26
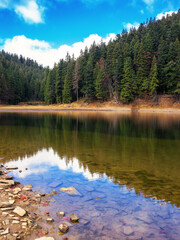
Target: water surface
125, 167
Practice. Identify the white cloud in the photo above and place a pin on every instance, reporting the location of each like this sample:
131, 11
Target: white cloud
45, 159
161, 15
44, 54
29, 10
128, 26
148, 2
142, 11
4, 3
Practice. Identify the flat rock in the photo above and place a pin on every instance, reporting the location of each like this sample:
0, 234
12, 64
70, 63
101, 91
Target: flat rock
127, 230
15, 222
4, 232
19, 211
55, 184
60, 214
45, 238
50, 220
11, 167
5, 204
16, 190
27, 188
7, 182
7, 209
70, 190
73, 217
63, 228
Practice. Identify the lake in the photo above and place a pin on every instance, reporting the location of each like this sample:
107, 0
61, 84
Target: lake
125, 166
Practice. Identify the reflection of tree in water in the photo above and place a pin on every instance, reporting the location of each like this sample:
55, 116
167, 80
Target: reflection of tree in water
140, 152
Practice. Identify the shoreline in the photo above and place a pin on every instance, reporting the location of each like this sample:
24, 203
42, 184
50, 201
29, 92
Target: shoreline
56, 109
26, 213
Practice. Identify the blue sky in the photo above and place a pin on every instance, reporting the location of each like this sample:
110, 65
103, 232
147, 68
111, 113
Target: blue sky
46, 25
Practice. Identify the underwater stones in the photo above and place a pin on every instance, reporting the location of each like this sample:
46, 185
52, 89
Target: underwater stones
70, 190
45, 238
60, 214
49, 220
54, 192
73, 217
27, 188
63, 228
55, 184
127, 230
19, 211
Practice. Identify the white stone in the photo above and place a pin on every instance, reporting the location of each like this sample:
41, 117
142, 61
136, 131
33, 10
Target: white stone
20, 211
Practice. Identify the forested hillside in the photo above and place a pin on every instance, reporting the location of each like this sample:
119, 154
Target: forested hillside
143, 61
20, 79
140, 62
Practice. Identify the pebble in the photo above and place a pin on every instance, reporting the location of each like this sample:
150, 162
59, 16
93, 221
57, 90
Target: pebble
63, 228
127, 230
20, 211
73, 217
60, 214
50, 220
15, 222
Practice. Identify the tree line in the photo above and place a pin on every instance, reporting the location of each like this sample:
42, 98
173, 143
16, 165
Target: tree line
143, 61
20, 79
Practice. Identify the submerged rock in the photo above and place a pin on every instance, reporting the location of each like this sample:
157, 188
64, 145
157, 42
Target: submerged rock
73, 217
63, 228
27, 188
50, 220
60, 214
45, 238
127, 230
19, 211
55, 184
70, 190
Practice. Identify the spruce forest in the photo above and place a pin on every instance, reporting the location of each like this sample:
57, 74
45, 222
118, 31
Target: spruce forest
143, 61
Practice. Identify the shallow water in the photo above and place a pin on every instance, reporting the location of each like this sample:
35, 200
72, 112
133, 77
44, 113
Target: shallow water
125, 167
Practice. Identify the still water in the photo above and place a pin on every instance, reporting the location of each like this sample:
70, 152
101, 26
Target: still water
126, 168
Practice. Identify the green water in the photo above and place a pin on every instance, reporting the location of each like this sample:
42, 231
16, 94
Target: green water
140, 153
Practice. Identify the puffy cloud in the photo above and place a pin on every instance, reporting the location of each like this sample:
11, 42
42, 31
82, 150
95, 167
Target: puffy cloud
128, 26
29, 10
44, 54
161, 15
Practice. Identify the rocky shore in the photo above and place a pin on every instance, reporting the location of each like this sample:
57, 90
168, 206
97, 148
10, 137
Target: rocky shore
23, 212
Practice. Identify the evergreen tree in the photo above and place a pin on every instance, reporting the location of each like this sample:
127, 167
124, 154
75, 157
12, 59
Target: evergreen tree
67, 90
128, 81
76, 78
154, 83
59, 81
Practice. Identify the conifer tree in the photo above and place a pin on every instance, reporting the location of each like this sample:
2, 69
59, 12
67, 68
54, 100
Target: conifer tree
142, 78
154, 83
59, 81
127, 81
76, 78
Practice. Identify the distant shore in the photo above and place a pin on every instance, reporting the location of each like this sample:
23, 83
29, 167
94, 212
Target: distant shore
95, 107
